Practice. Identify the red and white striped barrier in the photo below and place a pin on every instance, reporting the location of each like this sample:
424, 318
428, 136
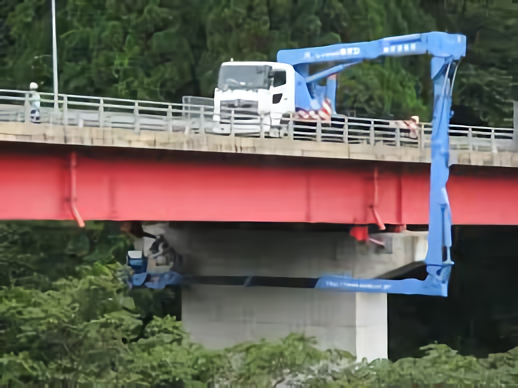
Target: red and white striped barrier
408, 128
324, 113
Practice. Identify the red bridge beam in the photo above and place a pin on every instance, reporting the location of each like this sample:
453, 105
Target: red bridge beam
110, 187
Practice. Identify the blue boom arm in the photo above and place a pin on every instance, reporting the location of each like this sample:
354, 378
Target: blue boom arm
447, 50
309, 95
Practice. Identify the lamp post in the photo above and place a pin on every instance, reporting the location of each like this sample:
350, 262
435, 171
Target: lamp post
54, 55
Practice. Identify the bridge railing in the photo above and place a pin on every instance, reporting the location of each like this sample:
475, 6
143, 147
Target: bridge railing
196, 115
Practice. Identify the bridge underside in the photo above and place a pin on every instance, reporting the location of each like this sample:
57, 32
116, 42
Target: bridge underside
39, 182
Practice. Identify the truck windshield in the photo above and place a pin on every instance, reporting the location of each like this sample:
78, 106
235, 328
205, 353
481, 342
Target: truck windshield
243, 77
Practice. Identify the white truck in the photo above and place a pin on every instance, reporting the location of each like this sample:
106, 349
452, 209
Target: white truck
253, 94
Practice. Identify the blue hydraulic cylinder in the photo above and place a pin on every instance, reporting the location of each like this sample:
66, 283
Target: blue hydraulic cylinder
439, 236
331, 91
328, 72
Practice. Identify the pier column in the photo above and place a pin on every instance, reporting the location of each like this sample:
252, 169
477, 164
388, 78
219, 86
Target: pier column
221, 316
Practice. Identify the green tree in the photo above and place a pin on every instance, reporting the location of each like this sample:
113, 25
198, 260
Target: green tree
68, 319
483, 90
164, 49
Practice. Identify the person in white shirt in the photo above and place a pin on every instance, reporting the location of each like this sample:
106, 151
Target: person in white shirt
34, 100
408, 128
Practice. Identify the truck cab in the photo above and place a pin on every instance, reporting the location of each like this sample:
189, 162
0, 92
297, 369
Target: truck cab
251, 95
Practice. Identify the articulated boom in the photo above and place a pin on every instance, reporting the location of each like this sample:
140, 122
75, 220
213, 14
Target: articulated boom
309, 95
446, 51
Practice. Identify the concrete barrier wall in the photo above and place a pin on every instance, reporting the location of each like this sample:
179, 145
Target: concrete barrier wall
505, 155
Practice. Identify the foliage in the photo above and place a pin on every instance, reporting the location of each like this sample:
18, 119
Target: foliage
164, 49
77, 323
67, 319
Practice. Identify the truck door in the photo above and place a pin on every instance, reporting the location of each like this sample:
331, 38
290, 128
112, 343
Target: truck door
280, 95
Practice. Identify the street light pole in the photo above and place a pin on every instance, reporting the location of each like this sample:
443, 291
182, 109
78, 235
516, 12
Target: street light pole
54, 55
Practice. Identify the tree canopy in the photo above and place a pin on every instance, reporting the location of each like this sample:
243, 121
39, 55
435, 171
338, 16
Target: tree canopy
68, 319
66, 316
164, 49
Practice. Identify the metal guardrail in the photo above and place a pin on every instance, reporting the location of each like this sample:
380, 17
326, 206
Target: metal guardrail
196, 116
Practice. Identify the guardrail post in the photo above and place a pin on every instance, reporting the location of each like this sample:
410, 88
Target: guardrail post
346, 130
319, 130
27, 106
202, 120
291, 127
261, 127
101, 113
187, 121
493, 141
187, 129
232, 111
137, 124
420, 139
169, 118
371, 133
398, 137
470, 139
65, 111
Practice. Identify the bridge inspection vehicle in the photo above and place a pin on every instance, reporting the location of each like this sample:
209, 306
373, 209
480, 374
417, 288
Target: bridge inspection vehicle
274, 89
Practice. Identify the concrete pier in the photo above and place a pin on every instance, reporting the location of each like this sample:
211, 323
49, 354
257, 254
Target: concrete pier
222, 316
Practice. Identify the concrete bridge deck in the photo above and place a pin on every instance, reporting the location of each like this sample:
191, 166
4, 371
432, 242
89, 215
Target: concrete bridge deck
95, 121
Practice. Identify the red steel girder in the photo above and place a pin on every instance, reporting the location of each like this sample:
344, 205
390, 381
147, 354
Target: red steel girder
131, 187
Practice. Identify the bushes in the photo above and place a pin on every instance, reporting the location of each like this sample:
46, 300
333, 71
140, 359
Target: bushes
86, 331
67, 320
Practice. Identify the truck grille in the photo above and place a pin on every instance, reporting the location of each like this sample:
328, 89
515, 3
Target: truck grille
244, 110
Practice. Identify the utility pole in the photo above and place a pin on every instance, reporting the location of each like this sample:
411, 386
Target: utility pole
54, 55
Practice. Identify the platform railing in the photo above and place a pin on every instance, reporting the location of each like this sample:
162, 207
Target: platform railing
196, 115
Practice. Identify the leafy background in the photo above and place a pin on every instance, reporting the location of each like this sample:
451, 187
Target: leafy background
164, 49
67, 319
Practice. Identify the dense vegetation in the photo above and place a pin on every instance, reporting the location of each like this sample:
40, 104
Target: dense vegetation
66, 316
164, 49
68, 319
